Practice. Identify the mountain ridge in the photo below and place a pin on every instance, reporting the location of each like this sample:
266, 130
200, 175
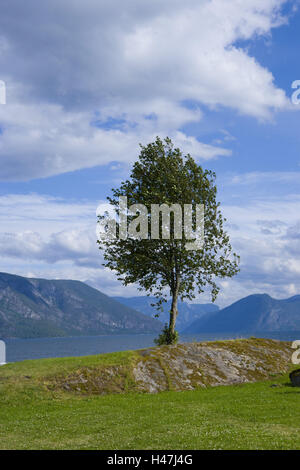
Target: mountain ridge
36, 307
256, 312
187, 312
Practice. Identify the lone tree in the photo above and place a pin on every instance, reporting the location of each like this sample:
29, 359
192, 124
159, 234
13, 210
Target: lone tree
164, 266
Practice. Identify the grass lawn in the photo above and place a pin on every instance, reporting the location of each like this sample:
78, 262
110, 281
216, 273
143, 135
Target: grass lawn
249, 416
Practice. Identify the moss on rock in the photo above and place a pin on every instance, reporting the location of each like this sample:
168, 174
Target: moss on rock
183, 367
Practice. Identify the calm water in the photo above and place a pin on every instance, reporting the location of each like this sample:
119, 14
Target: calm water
21, 349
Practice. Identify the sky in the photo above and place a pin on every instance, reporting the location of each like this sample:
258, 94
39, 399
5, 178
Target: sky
86, 82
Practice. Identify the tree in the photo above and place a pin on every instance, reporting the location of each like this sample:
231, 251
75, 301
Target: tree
162, 175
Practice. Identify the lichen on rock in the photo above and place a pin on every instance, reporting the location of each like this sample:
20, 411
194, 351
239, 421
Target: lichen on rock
185, 367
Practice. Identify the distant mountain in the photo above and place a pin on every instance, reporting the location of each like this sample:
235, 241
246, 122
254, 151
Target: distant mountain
258, 312
187, 312
43, 308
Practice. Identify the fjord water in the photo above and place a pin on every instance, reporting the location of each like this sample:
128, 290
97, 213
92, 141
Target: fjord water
37, 348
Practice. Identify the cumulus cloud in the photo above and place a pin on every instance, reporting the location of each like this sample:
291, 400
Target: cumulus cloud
264, 177
264, 232
48, 229
76, 246
48, 237
45, 140
90, 80
271, 227
44, 214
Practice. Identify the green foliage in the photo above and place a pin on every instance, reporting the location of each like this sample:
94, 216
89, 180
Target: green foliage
162, 175
167, 336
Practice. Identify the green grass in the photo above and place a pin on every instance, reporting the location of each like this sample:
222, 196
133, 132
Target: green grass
249, 416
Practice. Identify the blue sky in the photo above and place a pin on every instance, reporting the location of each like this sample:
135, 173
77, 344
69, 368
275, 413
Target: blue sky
85, 85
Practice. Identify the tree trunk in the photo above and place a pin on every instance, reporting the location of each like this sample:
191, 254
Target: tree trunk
174, 311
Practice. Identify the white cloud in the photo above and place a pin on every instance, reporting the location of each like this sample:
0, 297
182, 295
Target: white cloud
146, 60
73, 245
264, 232
44, 214
52, 141
267, 177
50, 230
43, 236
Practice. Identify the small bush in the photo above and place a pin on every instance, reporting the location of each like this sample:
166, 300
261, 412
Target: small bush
166, 337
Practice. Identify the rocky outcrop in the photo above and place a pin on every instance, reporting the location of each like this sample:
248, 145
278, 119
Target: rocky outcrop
186, 367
